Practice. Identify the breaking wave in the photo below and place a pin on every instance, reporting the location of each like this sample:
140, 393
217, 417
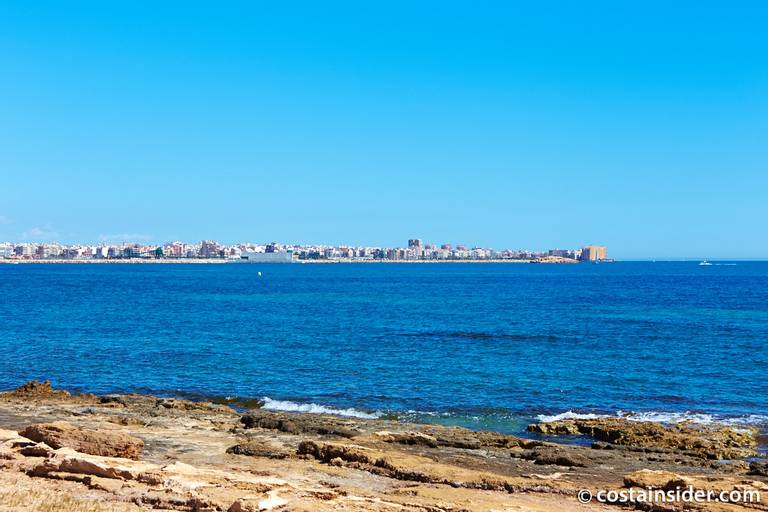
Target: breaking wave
662, 417
288, 406
568, 415
694, 417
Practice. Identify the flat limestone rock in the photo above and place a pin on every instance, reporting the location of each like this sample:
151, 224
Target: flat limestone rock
412, 468
555, 456
653, 479
67, 460
8, 437
409, 438
258, 449
61, 434
322, 424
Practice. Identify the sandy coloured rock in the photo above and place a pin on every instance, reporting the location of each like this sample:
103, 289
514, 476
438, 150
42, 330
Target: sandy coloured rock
710, 441
106, 443
258, 449
300, 423
202, 457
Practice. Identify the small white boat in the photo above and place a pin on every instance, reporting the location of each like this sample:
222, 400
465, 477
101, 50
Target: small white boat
705, 263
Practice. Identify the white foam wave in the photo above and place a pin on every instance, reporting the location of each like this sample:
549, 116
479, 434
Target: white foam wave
671, 417
433, 414
568, 415
700, 418
663, 417
288, 406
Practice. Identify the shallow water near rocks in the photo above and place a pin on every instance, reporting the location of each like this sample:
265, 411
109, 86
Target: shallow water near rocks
488, 346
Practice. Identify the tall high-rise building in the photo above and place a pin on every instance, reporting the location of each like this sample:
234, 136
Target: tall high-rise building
594, 253
416, 245
209, 249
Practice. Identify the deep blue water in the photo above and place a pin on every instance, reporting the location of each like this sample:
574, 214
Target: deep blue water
486, 345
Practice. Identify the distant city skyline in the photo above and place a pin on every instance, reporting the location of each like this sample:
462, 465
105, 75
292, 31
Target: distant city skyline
640, 126
276, 252
145, 240
207, 247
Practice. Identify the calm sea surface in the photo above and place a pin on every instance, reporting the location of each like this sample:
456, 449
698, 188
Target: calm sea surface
483, 345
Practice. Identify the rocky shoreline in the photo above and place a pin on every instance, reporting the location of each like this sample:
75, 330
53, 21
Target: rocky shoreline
133, 452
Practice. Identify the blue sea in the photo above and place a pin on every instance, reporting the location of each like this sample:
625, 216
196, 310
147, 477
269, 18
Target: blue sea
490, 346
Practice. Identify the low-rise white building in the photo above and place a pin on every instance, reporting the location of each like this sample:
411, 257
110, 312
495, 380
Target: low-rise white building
267, 257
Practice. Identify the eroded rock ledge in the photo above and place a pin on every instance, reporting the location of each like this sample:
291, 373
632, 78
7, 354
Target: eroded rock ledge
60, 451
710, 441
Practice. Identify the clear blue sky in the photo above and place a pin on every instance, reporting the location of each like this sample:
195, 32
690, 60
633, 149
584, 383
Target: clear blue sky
639, 125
